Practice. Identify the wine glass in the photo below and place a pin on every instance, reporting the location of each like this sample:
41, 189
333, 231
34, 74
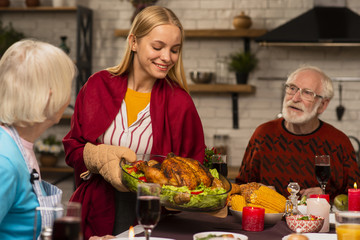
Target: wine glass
322, 170
148, 206
61, 222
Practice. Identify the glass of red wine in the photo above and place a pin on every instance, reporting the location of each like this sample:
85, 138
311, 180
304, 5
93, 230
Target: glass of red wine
67, 223
148, 206
219, 162
60, 222
322, 170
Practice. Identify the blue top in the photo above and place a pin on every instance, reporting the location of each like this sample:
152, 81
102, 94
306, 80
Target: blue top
18, 199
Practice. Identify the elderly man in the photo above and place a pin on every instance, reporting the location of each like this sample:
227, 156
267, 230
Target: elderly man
283, 150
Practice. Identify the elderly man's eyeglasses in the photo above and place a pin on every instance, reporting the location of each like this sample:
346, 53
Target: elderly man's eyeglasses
305, 93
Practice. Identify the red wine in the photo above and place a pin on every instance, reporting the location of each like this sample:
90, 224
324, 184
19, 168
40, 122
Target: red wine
322, 173
67, 228
221, 168
148, 210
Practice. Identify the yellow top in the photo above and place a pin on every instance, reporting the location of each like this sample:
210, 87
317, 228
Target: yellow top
135, 103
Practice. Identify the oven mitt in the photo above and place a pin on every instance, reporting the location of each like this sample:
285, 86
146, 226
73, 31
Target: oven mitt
105, 160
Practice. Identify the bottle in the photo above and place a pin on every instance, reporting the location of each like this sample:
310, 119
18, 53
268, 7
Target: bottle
63, 44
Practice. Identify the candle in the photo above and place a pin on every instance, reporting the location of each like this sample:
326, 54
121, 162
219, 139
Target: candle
354, 198
253, 219
325, 196
319, 207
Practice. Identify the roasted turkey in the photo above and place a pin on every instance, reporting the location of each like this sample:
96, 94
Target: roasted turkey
178, 171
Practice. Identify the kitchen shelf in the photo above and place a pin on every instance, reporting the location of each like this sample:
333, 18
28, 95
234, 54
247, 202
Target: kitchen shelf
221, 88
39, 9
57, 169
234, 90
210, 33
65, 173
84, 19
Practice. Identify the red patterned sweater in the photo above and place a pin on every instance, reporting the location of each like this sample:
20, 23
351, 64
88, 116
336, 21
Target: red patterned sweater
276, 157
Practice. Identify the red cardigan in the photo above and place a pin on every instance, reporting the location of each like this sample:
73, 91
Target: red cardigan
276, 157
176, 128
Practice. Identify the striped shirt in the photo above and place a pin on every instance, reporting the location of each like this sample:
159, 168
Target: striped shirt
138, 136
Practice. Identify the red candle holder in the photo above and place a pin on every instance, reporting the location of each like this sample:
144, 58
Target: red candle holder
253, 219
326, 196
354, 199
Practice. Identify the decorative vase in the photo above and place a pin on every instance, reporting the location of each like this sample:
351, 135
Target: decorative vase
32, 3
48, 160
4, 3
63, 45
242, 21
241, 78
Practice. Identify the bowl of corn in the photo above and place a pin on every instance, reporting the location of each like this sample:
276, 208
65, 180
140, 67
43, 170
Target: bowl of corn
263, 197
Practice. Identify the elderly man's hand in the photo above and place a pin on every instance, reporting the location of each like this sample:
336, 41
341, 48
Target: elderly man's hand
102, 238
308, 191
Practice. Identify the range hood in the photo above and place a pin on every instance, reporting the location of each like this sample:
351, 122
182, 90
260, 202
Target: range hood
320, 26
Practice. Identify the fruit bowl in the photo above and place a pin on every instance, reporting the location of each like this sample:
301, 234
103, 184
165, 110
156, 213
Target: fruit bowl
269, 220
304, 226
201, 199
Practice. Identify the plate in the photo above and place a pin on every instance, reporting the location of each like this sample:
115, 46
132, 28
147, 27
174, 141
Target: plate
171, 196
269, 220
205, 234
317, 236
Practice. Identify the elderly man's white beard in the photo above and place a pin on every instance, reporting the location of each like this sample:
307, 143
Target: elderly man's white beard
293, 117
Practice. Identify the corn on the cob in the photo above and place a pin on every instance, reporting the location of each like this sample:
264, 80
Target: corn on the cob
268, 198
267, 210
237, 202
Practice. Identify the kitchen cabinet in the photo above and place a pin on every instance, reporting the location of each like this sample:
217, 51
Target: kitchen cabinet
83, 36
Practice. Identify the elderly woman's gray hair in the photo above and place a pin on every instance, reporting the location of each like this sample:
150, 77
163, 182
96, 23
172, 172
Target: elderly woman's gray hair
35, 82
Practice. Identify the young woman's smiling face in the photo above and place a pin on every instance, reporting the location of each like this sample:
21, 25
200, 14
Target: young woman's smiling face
157, 52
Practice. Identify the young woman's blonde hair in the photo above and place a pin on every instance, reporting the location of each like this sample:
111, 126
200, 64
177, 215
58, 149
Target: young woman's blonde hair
144, 22
35, 82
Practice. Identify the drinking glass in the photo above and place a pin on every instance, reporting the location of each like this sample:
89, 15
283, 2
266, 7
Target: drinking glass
219, 162
67, 224
64, 222
347, 225
322, 170
148, 206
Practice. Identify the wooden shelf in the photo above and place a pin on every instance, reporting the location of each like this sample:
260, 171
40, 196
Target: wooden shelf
221, 88
39, 9
210, 33
57, 169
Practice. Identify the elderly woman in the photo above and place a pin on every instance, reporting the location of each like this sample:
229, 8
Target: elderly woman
35, 88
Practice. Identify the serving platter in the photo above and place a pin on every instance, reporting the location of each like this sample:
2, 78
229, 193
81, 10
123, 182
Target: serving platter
206, 200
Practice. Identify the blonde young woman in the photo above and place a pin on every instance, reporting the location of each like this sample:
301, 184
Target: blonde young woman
139, 106
35, 88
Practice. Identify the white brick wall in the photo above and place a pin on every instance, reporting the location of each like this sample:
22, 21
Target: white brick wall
215, 110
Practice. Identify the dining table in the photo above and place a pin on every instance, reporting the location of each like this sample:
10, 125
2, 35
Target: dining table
183, 225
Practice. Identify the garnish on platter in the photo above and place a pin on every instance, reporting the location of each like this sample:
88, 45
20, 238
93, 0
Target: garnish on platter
186, 184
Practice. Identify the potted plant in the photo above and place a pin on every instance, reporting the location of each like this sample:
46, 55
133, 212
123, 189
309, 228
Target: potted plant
49, 149
8, 36
242, 63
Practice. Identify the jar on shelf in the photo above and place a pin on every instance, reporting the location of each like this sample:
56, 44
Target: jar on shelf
4, 3
221, 70
242, 21
221, 144
32, 3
